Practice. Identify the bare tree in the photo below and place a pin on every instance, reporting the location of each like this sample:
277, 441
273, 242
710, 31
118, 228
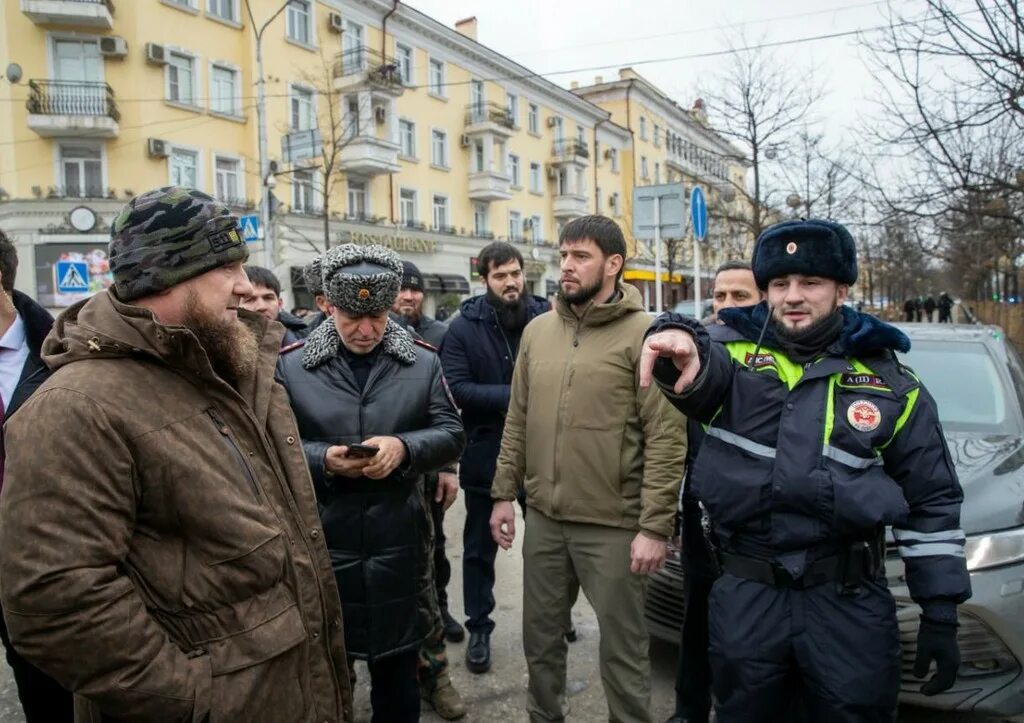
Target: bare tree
822, 179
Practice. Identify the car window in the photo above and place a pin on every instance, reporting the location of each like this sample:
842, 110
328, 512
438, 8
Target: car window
971, 393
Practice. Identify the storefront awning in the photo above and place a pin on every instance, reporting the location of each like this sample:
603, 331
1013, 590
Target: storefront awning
454, 284
645, 275
432, 283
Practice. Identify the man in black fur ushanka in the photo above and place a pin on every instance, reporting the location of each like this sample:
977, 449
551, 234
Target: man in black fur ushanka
360, 379
817, 439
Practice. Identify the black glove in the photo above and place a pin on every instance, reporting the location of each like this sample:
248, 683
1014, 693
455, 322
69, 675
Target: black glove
937, 641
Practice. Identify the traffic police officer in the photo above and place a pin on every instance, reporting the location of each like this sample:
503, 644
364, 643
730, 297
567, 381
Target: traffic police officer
817, 438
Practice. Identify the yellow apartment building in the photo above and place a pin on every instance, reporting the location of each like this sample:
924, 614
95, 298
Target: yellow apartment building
382, 126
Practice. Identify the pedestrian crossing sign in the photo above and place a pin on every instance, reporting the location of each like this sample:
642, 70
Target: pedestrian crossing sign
250, 227
72, 277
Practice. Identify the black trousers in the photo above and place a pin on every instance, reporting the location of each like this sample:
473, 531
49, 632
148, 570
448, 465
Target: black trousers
42, 699
478, 552
394, 690
442, 568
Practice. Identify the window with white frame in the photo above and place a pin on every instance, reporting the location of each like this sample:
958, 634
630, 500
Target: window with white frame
615, 203
301, 111
535, 177
581, 136
480, 225
407, 207
439, 148
537, 227
228, 179
515, 226
407, 137
614, 159
403, 57
224, 90
300, 21
181, 78
357, 198
512, 108
440, 207
184, 168
303, 198
513, 169
533, 118
657, 172
191, 4
81, 170
644, 172
478, 156
657, 136
643, 128
499, 158
224, 9
350, 122
437, 77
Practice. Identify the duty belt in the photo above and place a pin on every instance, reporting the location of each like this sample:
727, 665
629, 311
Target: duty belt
848, 569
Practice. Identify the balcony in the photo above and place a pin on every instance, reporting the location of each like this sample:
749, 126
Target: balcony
489, 118
369, 156
489, 186
79, 13
570, 206
62, 108
363, 68
570, 150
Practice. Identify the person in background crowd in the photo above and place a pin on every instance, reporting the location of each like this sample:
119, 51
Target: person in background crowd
315, 284
479, 355
374, 416
910, 309
23, 326
817, 439
302, 312
945, 308
919, 309
175, 568
734, 287
266, 299
929, 309
600, 460
410, 305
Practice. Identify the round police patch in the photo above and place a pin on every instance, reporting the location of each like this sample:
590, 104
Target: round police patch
791, 247
864, 416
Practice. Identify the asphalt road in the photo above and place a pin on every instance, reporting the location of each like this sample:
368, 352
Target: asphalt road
500, 694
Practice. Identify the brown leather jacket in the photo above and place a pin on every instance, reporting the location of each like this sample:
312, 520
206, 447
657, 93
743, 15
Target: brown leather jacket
160, 548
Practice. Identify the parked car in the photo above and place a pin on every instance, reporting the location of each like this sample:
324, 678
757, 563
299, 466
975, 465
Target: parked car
686, 307
977, 379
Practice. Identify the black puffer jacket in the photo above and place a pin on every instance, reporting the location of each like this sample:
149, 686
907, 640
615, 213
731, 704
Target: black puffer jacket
376, 530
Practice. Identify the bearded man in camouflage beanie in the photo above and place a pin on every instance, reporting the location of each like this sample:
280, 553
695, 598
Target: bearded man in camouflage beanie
374, 417
152, 576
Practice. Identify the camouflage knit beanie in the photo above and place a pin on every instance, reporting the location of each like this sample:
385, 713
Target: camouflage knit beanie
170, 235
313, 276
361, 279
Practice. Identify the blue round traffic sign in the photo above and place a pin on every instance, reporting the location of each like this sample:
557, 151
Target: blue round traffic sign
699, 213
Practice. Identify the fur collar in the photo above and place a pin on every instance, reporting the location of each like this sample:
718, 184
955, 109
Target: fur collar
324, 344
862, 334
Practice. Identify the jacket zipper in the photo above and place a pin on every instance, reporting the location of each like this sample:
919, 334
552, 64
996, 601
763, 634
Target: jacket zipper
233, 446
567, 384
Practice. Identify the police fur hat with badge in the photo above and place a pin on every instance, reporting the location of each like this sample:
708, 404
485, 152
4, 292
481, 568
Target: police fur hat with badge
169, 235
361, 279
811, 247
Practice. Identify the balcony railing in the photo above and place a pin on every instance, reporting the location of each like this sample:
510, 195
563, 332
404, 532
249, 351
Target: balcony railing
67, 97
489, 113
571, 147
380, 69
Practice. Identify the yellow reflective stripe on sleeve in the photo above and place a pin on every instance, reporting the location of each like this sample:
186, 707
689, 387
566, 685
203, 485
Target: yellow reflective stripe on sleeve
830, 409
907, 410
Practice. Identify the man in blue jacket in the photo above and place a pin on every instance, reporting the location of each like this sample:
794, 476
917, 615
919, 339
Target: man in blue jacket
478, 355
817, 438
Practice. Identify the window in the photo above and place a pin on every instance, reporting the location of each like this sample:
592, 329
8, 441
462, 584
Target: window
512, 108
533, 119
614, 159
437, 77
183, 3
657, 136
228, 179
356, 199
657, 172
535, 177
302, 192
403, 57
644, 173
407, 137
439, 148
538, 230
350, 122
301, 109
224, 9
615, 204
643, 128
407, 207
299, 21
515, 226
513, 169
581, 136
440, 212
478, 156
82, 171
224, 90
184, 168
181, 73
480, 219
476, 95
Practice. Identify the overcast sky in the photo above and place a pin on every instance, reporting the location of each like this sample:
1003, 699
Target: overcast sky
557, 35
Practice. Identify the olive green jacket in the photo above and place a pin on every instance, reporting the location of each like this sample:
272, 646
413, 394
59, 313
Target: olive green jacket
587, 442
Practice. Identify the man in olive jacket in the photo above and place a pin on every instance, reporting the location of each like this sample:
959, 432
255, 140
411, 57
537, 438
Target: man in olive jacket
601, 461
160, 549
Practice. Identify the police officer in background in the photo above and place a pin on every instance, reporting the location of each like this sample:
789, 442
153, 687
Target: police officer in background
817, 438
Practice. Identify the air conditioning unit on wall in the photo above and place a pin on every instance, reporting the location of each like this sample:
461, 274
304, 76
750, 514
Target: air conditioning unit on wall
156, 54
158, 148
112, 46
380, 114
464, 140
335, 23
552, 121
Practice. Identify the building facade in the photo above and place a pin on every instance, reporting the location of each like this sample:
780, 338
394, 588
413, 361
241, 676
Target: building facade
382, 125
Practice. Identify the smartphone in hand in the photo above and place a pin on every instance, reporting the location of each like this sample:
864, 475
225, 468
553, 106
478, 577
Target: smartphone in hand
361, 450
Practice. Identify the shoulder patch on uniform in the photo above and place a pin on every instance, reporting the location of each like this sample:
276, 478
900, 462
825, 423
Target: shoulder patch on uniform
764, 360
863, 379
419, 342
293, 346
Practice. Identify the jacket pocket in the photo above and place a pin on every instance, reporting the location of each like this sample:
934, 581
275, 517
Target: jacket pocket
864, 499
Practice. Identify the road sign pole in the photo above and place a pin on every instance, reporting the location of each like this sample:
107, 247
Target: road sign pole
658, 308
696, 278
